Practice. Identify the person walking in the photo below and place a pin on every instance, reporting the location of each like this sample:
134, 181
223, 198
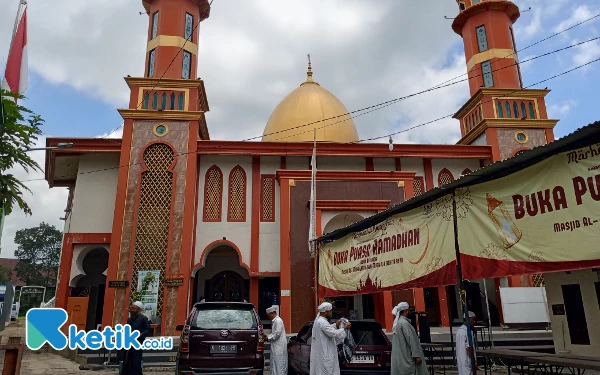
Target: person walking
278, 340
407, 354
323, 351
463, 350
133, 357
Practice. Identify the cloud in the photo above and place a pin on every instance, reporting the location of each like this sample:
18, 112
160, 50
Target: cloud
559, 110
586, 53
580, 14
48, 205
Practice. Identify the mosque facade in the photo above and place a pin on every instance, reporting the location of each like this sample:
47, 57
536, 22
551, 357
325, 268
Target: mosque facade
185, 218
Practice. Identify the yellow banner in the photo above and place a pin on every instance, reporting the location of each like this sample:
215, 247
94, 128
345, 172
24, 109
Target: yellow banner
412, 249
543, 218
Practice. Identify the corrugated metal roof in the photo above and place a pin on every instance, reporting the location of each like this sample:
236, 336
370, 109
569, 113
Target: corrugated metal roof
582, 137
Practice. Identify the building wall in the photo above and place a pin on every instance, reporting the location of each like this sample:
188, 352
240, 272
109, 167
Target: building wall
560, 328
480, 141
269, 232
455, 166
341, 163
94, 196
236, 232
413, 165
384, 164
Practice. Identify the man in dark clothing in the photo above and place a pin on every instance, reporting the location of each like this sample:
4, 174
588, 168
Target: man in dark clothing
133, 357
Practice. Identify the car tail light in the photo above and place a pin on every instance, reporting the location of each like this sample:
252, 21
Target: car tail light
387, 357
184, 341
261, 340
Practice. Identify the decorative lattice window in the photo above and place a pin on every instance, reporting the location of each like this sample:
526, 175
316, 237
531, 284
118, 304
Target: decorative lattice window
538, 280
213, 194
418, 186
466, 172
267, 198
236, 209
154, 217
445, 177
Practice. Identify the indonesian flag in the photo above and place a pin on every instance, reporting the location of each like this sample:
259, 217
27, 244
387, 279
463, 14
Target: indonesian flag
15, 77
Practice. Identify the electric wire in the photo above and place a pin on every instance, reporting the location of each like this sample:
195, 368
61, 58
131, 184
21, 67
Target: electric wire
359, 141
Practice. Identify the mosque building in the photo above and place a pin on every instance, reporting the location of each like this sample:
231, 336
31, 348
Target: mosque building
189, 218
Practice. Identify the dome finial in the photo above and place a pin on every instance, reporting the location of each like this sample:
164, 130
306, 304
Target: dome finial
309, 72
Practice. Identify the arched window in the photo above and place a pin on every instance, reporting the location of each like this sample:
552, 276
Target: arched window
418, 186
523, 110
466, 171
180, 102
507, 105
163, 104
500, 112
516, 108
155, 101
445, 177
236, 209
172, 106
146, 100
213, 194
531, 111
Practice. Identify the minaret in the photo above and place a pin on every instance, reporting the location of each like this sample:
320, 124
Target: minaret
153, 223
500, 113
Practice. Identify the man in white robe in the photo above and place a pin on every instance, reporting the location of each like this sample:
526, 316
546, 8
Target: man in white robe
463, 350
323, 350
407, 354
278, 340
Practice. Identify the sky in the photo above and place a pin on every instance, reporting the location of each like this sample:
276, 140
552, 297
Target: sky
253, 53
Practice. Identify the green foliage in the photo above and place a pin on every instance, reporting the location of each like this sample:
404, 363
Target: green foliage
5, 275
17, 135
39, 255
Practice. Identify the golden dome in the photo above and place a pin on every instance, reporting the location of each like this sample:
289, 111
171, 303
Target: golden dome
310, 104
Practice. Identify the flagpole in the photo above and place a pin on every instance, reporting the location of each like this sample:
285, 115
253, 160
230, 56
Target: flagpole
21, 4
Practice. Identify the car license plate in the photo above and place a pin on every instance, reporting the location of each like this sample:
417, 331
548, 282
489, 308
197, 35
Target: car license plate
363, 359
223, 349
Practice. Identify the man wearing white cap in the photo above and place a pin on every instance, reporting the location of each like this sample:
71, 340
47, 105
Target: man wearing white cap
278, 340
323, 351
463, 350
138, 322
407, 354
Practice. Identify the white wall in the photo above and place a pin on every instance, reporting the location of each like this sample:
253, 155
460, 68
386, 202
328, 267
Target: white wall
299, 163
238, 232
413, 165
341, 219
560, 328
455, 166
94, 197
269, 240
480, 141
384, 164
341, 163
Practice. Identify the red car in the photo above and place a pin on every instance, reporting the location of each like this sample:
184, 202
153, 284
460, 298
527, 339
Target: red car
221, 338
372, 355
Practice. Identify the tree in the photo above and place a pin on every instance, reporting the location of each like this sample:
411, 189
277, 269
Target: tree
39, 255
17, 135
5, 275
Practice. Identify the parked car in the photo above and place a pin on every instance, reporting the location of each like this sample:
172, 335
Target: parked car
221, 337
372, 354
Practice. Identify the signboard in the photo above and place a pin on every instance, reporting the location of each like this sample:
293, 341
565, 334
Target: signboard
118, 284
174, 276
149, 294
544, 218
32, 291
558, 310
174, 282
408, 250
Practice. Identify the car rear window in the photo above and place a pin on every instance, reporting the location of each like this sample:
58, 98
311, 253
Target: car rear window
225, 318
368, 336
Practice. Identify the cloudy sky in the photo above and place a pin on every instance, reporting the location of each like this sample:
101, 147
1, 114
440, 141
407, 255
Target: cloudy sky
253, 52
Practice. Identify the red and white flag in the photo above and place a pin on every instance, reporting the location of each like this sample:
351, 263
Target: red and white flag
15, 77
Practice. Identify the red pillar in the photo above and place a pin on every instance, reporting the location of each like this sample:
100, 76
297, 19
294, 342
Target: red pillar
255, 231
387, 308
285, 310
64, 272
443, 303
498, 299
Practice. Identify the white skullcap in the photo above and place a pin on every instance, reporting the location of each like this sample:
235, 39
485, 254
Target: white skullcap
271, 309
325, 306
471, 314
139, 304
402, 306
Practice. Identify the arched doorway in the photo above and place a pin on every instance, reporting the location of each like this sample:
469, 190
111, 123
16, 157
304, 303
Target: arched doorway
221, 276
93, 261
227, 286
